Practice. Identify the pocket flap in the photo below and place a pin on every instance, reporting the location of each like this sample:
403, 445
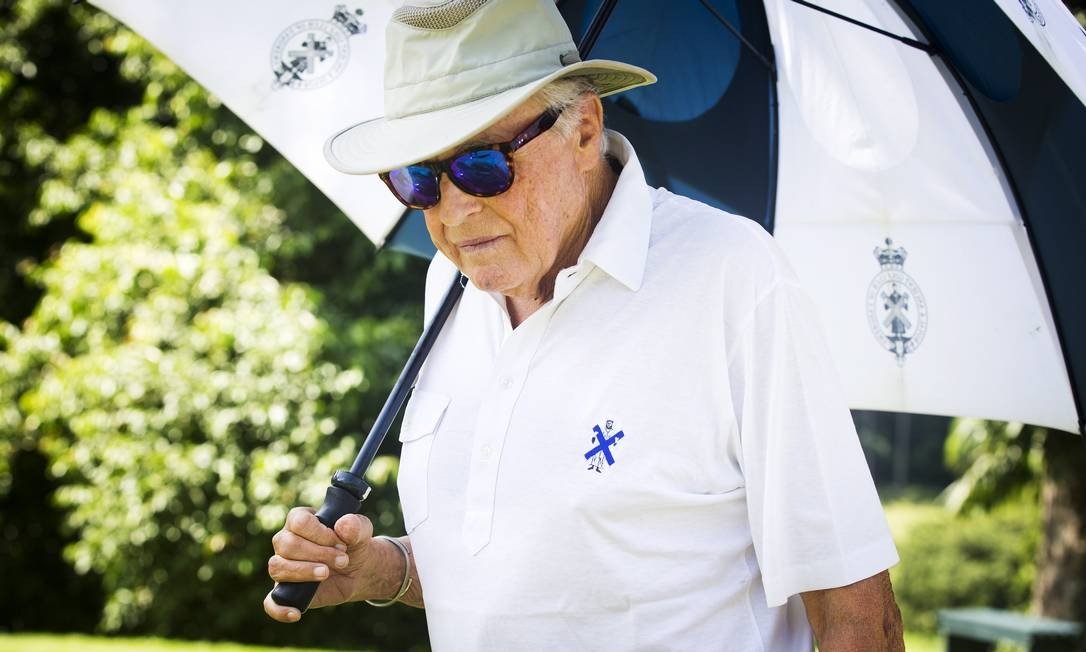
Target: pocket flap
423, 414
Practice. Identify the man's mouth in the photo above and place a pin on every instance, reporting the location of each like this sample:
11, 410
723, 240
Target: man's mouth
478, 244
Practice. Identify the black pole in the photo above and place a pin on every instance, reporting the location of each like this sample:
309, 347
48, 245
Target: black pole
406, 380
595, 28
742, 39
911, 42
349, 488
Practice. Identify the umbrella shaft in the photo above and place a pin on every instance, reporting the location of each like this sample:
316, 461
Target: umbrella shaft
406, 380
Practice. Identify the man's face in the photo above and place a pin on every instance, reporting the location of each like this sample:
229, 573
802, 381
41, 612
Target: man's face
510, 242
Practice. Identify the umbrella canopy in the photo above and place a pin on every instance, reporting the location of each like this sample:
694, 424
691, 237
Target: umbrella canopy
915, 158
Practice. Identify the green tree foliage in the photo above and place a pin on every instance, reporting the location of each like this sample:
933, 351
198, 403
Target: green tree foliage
32, 540
995, 461
183, 395
46, 61
1003, 463
209, 340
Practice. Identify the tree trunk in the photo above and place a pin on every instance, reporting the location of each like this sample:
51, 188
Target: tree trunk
1060, 587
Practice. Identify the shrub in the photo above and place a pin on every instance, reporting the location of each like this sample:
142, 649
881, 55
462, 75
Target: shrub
975, 559
203, 356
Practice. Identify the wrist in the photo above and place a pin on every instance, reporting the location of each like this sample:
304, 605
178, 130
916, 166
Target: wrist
394, 579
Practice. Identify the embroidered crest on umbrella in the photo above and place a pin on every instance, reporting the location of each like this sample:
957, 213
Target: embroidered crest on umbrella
311, 53
896, 310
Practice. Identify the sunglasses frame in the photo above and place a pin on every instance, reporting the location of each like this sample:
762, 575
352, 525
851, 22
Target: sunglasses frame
545, 121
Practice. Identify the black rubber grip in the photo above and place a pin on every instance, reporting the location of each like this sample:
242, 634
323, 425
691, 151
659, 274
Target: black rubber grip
338, 501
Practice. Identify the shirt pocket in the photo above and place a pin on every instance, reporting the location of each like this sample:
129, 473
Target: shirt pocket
420, 423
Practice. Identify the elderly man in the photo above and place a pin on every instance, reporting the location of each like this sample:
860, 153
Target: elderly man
629, 434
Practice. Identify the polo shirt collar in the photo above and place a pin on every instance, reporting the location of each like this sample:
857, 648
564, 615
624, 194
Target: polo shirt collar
619, 245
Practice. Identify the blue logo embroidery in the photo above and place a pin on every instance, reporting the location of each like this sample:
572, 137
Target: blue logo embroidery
602, 449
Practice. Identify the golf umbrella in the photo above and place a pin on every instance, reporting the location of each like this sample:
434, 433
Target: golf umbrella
915, 158
917, 161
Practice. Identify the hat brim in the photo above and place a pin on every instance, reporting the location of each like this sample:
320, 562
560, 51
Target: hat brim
384, 144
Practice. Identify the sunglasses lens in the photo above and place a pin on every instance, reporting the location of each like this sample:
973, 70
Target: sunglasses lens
483, 172
415, 185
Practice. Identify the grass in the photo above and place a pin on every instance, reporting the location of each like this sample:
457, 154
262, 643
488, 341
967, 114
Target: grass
80, 643
923, 643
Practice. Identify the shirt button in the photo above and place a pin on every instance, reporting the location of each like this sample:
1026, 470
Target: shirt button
485, 452
506, 382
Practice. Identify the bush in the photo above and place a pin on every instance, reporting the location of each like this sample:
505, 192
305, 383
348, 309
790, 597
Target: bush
202, 356
975, 559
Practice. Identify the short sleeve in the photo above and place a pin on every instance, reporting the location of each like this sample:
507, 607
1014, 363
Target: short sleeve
814, 514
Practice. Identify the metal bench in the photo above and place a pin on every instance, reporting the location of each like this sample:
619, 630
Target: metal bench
978, 630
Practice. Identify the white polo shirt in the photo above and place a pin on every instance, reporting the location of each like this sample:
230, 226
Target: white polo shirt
660, 458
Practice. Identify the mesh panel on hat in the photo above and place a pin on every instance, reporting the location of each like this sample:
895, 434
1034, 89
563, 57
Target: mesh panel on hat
441, 16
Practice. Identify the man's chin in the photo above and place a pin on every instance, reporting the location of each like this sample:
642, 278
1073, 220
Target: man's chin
486, 278
498, 288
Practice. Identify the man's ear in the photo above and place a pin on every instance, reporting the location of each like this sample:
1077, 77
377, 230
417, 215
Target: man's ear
588, 133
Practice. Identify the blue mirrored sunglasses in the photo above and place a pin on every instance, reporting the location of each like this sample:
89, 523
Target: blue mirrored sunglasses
483, 171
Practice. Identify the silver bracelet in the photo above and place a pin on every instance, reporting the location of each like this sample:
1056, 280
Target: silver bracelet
406, 584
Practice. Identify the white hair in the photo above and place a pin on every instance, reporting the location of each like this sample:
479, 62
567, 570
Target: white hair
563, 93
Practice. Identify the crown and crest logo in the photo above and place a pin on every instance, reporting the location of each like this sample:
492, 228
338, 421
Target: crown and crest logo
896, 311
311, 53
1033, 11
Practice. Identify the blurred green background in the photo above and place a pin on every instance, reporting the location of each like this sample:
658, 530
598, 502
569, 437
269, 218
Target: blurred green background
192, 339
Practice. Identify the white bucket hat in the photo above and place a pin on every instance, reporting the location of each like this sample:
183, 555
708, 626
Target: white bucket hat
455, 67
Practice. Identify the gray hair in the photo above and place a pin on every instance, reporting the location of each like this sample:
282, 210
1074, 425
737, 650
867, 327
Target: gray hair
564, 93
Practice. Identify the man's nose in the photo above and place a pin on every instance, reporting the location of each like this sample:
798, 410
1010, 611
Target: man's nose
456, 206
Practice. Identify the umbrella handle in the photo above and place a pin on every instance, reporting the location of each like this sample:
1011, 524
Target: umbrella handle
344, 497
348, 489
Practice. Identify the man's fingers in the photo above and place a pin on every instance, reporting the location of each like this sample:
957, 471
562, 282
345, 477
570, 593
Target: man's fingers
354, 528
290, 570
291, 546
303, 522
280, 613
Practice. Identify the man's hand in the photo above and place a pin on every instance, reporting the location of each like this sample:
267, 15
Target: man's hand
347, 561
860, 617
